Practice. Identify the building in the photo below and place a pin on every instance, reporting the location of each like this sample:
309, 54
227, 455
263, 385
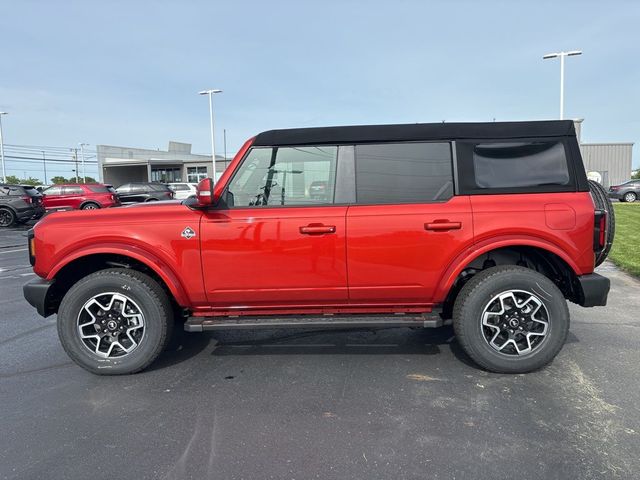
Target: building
607, 163
118, 165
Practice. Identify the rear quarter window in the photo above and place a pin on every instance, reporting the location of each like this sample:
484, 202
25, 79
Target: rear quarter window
98, 188
518, 166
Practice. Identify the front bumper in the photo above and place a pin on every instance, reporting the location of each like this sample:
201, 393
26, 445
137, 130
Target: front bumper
38, 293
593, 290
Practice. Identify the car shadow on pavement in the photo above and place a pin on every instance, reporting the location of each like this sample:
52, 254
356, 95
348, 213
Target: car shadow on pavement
361, 341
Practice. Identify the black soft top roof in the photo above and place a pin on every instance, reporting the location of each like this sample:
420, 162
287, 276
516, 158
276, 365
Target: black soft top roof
415, 131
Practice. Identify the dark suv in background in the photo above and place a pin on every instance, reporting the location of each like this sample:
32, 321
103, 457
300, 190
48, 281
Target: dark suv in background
144, 192
626, 192
19, 203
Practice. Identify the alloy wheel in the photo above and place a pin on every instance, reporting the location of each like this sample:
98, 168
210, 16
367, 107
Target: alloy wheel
110, 325
515, 322
6, 218
630, 197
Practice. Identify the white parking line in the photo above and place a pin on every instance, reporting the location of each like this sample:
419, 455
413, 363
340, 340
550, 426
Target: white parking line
13, 251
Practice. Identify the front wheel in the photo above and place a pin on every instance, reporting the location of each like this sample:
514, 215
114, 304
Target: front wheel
511, 319
115, 321
630, 197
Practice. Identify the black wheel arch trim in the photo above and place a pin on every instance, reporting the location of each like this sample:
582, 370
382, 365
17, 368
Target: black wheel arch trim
592, 290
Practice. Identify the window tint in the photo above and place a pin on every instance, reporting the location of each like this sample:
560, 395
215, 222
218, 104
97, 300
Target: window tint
73, 191
178, 187
98, 188
285, 176
159, 187
53, 191
403, 173
4, 190
520, 164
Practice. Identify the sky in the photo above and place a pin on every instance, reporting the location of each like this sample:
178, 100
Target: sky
127, 73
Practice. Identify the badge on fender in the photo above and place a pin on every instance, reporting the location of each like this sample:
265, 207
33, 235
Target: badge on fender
188, 233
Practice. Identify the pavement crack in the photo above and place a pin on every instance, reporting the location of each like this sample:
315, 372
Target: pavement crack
24, 334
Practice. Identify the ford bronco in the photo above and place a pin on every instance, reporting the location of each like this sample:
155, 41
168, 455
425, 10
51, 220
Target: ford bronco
489, 226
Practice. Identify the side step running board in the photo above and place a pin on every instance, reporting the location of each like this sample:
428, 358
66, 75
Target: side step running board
201, 324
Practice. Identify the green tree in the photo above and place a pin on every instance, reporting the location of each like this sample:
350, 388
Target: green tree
91, 180
12, 180
30, 181
58, 180
636, 175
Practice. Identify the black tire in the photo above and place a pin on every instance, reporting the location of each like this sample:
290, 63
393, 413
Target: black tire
629, 197
141, 289
603, 202
90, 206
7, 218
151, 199
481, 290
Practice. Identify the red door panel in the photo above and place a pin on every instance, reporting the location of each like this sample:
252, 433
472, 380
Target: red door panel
274, 256
397, 253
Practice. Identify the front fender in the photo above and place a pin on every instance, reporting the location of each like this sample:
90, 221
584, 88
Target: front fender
162, 269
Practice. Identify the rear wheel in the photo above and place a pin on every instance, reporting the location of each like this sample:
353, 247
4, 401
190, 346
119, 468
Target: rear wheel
7, 218
630, 197
603, 202
90, 206
511, 319
115, 321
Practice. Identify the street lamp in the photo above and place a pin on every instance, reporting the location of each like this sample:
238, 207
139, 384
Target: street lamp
562, 55
4, 172
213, 143
82, 145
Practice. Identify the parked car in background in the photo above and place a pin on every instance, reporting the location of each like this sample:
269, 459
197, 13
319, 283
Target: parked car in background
626, 192
18, 204
81, 196
42, 188
182, 191
144, 192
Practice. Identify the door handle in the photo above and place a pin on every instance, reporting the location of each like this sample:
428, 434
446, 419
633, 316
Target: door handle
442, 226
315, 229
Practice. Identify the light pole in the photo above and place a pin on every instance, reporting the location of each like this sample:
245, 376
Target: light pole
211, 92
4, 172
44, 162
562, 55
82, 145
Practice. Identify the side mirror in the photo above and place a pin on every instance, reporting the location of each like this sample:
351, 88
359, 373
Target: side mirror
204, 193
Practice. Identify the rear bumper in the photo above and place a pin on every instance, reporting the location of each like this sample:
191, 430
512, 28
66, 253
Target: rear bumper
38, 293
615, 195
593, 290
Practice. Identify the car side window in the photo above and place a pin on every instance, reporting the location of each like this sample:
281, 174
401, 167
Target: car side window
403, 173
72, 190
53, 191
285, 176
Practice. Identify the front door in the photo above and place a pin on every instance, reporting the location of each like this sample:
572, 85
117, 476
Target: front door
277, 241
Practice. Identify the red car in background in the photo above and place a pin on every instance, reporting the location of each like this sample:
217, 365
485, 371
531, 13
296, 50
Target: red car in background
80, 196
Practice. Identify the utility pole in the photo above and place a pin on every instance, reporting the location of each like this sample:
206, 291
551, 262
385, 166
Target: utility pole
4, 172
44, 162
84, 177
224, 134
75, 157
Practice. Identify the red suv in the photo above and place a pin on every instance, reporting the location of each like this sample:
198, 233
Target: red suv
80, 196
490, 227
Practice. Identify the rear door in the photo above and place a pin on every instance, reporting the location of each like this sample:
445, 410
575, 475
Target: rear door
72, 196
52, 197
406, 226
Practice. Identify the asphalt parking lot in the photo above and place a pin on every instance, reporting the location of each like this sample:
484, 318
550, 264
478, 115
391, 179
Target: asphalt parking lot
393, 403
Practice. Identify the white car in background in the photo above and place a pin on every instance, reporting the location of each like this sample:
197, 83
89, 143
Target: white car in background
183, 190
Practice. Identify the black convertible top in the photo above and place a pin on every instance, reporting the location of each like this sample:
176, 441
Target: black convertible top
415, 132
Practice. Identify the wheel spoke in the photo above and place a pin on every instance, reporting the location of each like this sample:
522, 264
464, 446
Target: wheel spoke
113, 317
515, 322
